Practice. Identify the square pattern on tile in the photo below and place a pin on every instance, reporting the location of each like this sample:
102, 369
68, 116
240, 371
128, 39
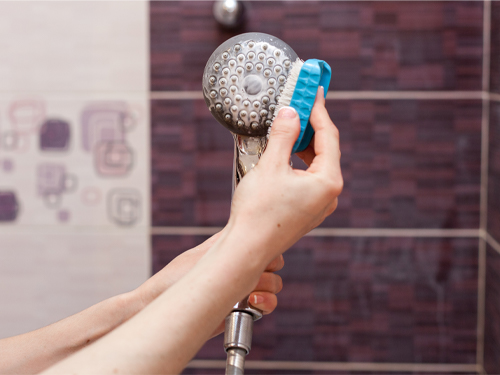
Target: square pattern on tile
405, 163
492, 313
364, 299
420, 45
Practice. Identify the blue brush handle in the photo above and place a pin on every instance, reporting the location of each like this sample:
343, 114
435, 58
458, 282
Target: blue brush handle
314, 73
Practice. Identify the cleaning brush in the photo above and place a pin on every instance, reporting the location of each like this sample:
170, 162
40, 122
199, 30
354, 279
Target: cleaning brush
300, 91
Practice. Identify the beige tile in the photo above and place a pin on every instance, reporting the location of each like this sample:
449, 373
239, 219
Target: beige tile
74, 46
44, 278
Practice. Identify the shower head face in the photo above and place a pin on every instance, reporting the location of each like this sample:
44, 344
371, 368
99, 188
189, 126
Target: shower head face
243, 79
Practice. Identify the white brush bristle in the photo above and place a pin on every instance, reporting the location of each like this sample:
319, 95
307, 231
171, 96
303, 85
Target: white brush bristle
291, 81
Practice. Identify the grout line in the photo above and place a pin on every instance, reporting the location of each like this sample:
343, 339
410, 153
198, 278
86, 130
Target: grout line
336, 232
483, 227
493, 243
388, 232
481, 292
341, 366
416, 95
185, 231
494, 97
483, 208
348, 95
175, 95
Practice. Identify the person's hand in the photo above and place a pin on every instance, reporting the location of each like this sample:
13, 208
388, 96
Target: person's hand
263, 297
280, 204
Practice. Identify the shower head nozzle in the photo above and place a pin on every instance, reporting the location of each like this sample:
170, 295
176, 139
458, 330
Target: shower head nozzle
243, 80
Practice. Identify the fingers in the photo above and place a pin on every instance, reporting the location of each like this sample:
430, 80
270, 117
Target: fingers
326, 140
308, 154
284, 132
276, 264
269, 282
265, 302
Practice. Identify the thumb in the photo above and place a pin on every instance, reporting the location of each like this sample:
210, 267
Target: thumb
284, 132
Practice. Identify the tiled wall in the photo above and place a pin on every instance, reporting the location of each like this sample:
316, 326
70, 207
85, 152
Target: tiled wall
407, 164
74, 157
411, 163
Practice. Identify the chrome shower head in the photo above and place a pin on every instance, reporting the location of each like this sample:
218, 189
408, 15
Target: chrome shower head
243, 79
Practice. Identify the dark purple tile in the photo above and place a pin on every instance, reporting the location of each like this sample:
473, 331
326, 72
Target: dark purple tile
406, 164
495, 47
377, 45
363, 300
192, 158
492, 313
494, 171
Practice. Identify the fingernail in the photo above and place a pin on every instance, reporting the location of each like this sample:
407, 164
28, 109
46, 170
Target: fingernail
287, 112
320, 93
257, 299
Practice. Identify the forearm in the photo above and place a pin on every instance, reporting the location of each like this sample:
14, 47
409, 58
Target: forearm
169, 331
35, 351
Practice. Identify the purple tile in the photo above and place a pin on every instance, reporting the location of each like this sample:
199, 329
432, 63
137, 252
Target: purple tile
494, 172
495, 47
406, 164
192, 159
375, 45
492, 313
364, 299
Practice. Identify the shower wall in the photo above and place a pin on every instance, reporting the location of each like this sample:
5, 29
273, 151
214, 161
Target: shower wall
390, 281
402, 278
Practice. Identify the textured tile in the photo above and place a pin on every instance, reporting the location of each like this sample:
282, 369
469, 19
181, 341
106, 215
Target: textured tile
492, 313
495, 47
405, 164
364, 299
494, 172
370, 45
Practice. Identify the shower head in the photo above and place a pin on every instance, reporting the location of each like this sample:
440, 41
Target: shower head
243, 80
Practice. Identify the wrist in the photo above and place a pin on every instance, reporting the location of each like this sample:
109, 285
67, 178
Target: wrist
265, 239
244, 248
